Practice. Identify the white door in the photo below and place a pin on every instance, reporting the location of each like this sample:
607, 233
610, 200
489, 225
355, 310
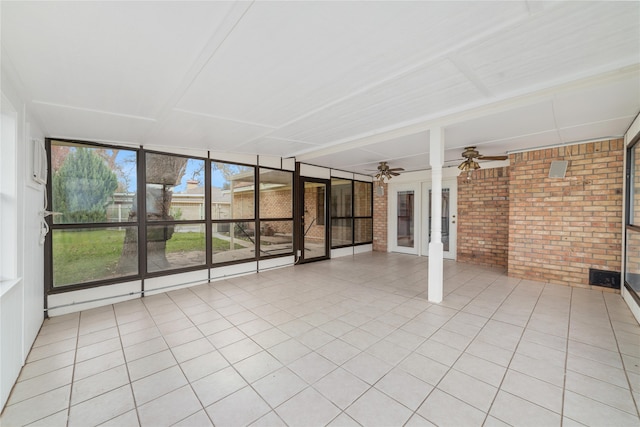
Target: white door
404, 226
449, 217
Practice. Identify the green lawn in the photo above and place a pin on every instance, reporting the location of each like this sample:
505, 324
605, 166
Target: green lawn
84, 256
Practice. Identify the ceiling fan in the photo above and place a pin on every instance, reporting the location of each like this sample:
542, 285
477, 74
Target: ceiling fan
470, 164
385, 172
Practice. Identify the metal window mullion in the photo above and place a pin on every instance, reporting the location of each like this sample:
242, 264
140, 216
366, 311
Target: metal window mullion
207, 214
142, 217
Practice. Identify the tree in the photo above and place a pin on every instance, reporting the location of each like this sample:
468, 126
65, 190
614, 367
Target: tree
163, 172
82, 187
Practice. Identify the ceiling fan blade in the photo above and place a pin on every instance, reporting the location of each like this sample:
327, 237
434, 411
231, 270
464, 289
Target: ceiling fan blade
396, 169
493, 157
394, 173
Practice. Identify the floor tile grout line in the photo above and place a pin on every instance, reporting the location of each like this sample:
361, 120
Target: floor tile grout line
232, 365
177, 364
100, 394
415, 412
615, 336
7, 405
597, 379
513, 353
73, 371
320, 355
470, 342
126, 364
245, 290
566, 357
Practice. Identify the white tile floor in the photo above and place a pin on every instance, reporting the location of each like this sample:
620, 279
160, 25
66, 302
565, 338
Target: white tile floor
347, 342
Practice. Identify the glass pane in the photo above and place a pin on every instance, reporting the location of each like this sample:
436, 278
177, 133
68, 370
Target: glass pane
276, 195
341, 198
363, 230
313, 220
175, 246
362, 199
175, 188
276, 238
632, 272
405, 219
89, 254
341, 232
232, 191
445, 218
233, 241
92, 184
635, 189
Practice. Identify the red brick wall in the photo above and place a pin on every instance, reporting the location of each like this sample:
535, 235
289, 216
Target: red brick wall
483, 217
379, 219
276, 203
312, 215
559, 228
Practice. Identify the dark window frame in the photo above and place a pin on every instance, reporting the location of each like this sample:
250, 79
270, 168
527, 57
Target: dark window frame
630, 173
353, 217
260, 219
142, 223
48, 264
145, 223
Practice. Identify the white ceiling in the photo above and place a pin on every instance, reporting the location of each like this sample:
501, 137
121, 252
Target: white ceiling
337, 84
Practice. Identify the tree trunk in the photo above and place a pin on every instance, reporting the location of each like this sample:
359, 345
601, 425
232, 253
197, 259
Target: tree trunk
163, 172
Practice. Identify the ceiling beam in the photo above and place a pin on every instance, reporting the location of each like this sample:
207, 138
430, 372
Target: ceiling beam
449, 118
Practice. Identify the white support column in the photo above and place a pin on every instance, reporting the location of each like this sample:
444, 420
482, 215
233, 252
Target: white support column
436, 159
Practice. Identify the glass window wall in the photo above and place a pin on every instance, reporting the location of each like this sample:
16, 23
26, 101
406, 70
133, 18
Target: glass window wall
276, 212
351, 212
175, 204
232, 191
632, 242
91, 189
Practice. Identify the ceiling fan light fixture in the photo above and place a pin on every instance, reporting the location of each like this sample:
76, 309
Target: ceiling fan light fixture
385, 172
469, 165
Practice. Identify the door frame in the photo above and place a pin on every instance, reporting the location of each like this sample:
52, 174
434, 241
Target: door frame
299, 223
392, 228
452, 185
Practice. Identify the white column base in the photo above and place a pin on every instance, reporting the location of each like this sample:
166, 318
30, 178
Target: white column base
436, 276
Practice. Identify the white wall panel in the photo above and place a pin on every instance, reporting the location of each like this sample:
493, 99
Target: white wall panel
336, 253
234, 270
156, 285
362, 249
289, 164
270, 161
268, 264
311, 171
365, 178
337, 173
176, 150
247, 159
11, 333
84, 299
22, 308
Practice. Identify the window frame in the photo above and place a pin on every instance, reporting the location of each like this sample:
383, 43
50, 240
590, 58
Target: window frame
145, 223
260, 219
353, 217
630, 227
48, 264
